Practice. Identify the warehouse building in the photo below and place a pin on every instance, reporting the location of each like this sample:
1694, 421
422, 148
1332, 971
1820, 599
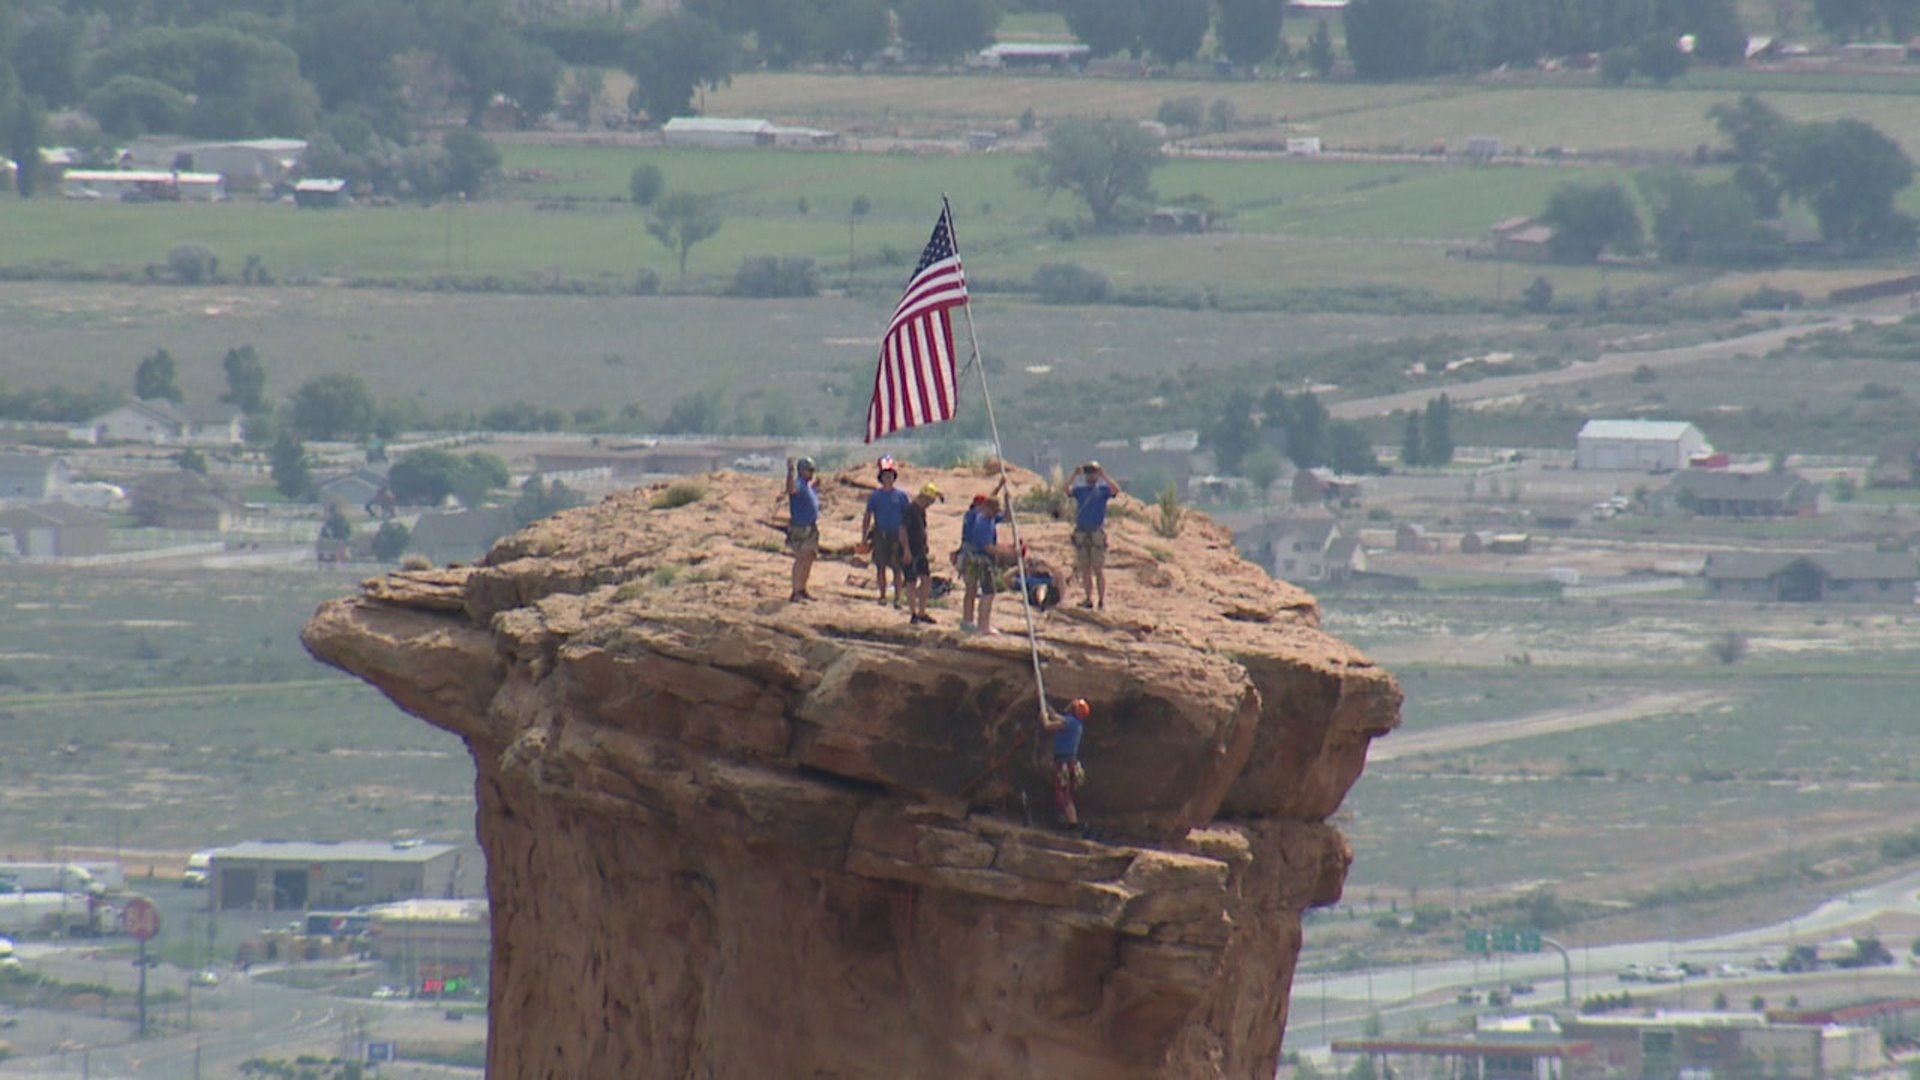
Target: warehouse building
433, 946
282, 875
1642, 445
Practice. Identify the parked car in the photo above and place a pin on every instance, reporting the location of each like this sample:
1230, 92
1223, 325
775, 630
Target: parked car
1520, 988
1469, 996
205, 977
1633, 973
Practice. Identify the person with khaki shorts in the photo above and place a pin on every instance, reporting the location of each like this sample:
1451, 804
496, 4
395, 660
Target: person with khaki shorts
1091, 489
803, 523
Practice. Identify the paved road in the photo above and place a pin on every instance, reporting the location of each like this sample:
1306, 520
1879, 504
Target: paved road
1548, 722
1604, 366
1336, 1006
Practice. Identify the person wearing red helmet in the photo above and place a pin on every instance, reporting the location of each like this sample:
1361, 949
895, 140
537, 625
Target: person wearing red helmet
1068, 773
886, 516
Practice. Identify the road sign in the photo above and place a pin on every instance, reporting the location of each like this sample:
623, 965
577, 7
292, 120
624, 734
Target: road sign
1504, 939
1527, 940
141, 918
381, 1051
1477, 941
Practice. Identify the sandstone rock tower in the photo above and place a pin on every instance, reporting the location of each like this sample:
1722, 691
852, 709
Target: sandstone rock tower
727, 836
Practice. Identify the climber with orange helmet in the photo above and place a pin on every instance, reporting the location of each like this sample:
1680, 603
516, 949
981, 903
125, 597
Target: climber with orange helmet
886, 516
1068, 773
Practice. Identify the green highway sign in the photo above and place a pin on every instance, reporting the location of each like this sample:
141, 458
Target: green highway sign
1506, 939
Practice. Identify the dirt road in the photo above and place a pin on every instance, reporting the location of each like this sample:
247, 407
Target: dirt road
1402, 744
1603, 366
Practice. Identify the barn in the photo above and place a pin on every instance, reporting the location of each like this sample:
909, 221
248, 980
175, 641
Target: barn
1638, 445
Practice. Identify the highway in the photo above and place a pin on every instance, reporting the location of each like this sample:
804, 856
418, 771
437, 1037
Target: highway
1336, 1006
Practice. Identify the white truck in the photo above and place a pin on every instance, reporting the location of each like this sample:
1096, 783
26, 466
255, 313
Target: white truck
18, 877
49, 912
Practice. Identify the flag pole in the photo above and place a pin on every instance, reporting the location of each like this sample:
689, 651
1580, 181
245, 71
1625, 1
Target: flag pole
1000, 457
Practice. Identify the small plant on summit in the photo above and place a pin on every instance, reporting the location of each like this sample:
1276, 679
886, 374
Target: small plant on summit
1171, 515
677, 495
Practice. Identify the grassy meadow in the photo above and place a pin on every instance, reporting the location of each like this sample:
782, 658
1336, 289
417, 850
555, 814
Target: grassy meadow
177, 711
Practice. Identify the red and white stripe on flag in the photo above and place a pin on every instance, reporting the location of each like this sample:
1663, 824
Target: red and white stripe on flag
918, 377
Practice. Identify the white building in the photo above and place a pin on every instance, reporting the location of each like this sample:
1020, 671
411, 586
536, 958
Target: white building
143, 183
740, 132
1638, 445
164, 423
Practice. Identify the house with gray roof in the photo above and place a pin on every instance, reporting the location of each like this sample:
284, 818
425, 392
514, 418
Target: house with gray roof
1718, 493
1862, 577
1302, 548
53, 530
167, 423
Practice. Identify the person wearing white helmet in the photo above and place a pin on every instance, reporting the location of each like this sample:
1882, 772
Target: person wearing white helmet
803, 523
886, 516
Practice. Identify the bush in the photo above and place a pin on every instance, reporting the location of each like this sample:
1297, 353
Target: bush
1069, 283
680, 493
1169, 515
192, 264
645, 184
1729, 648
646, 282
1538, 295
391, 541
764, 276
1183, 112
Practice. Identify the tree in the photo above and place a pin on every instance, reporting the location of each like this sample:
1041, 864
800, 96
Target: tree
1538, 295
1848, 172
1309, 440
948, 29
157, 377
1438, 428
391, 541
1590, 218
645, 184
675, 55
336, 526
1412, 452
1320, 49
683, 219
23, 129
1105, 26
1174, 30
1102, 161
1750, 124
1352, 450
128, 105
333, 407
1658, 56
1234, 434
1262, 468
240, 84
472, 161
427, 477
246, 379
191, 460
1248, 31
1705, 224
539, 499
291, 476
1387, 39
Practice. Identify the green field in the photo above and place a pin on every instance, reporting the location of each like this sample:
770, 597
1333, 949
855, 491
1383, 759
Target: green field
170, 712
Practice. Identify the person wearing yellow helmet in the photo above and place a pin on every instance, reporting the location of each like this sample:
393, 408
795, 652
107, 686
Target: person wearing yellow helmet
1068, 773
914, 563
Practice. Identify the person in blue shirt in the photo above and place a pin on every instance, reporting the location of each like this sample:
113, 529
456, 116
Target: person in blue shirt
979, 568
886, 516
1068, 773
1091, 489
803, 523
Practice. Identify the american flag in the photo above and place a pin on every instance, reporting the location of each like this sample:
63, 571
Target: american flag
917, 382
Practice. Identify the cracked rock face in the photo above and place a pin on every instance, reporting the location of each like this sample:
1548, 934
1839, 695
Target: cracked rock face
730, 836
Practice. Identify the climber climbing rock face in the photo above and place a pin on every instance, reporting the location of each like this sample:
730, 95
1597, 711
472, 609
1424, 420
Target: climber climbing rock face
1068, 773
